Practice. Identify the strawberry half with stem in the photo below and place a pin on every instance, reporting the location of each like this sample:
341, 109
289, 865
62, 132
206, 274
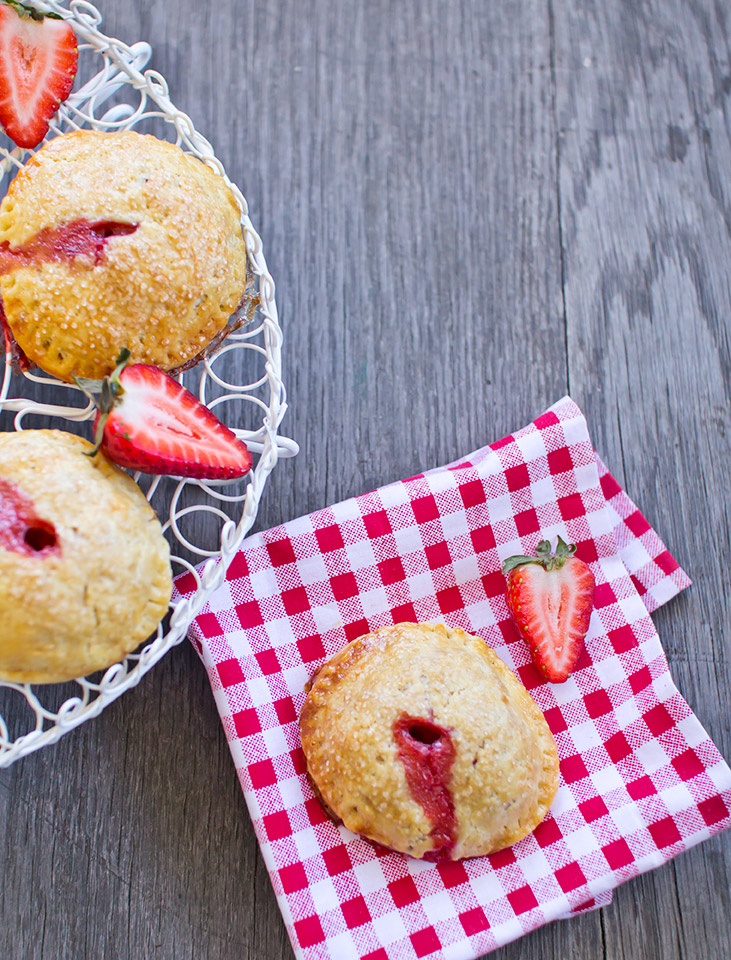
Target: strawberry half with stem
550, 597
38, 60
147, 421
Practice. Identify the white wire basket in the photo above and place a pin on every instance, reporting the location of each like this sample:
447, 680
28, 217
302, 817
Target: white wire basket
120, 95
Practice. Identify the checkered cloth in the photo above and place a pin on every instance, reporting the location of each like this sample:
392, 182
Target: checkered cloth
640, 779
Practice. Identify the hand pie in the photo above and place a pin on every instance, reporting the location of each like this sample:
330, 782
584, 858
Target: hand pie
420, 738
112, 240
84, 568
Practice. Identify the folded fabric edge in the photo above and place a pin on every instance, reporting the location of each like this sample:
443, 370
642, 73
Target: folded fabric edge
656, 574
626, 509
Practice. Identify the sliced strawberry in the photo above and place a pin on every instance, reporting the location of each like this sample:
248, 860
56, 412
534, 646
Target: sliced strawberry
38, 60
550, 597
148, 421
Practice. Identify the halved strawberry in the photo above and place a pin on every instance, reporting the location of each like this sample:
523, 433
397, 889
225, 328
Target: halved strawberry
550, 597
148, 421
38, 60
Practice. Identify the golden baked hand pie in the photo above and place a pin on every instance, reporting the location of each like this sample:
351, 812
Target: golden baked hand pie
420, 738
112, 240
84, 568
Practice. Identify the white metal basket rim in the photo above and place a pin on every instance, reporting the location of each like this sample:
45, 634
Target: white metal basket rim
119, 678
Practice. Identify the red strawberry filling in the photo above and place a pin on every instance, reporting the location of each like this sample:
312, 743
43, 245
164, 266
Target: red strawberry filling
79, 238
427, 752
21, 529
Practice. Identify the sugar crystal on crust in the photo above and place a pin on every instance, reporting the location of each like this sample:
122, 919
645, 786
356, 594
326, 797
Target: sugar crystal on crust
164, 291
106, 584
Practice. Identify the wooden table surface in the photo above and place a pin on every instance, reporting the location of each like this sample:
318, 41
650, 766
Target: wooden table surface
470, 209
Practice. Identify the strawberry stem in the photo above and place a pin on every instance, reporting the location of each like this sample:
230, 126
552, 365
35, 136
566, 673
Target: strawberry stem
105, 394
543, 556
29, 12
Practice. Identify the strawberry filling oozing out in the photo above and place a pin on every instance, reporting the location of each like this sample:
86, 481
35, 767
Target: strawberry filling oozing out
21, 529
427, 752
79, 238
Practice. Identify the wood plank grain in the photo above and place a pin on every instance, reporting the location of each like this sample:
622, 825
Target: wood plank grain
462, 218
398, 164
643, 145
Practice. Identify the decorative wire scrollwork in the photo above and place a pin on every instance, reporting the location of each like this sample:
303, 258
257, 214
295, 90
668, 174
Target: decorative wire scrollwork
139, 98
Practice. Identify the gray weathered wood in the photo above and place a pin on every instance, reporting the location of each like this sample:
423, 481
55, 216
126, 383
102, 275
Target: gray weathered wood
644, 160
469, 208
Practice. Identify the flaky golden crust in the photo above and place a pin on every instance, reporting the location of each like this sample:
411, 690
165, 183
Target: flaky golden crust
77, 608
505, 771
163, 292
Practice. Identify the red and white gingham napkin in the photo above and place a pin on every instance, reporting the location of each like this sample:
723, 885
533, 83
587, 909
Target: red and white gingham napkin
640, 779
